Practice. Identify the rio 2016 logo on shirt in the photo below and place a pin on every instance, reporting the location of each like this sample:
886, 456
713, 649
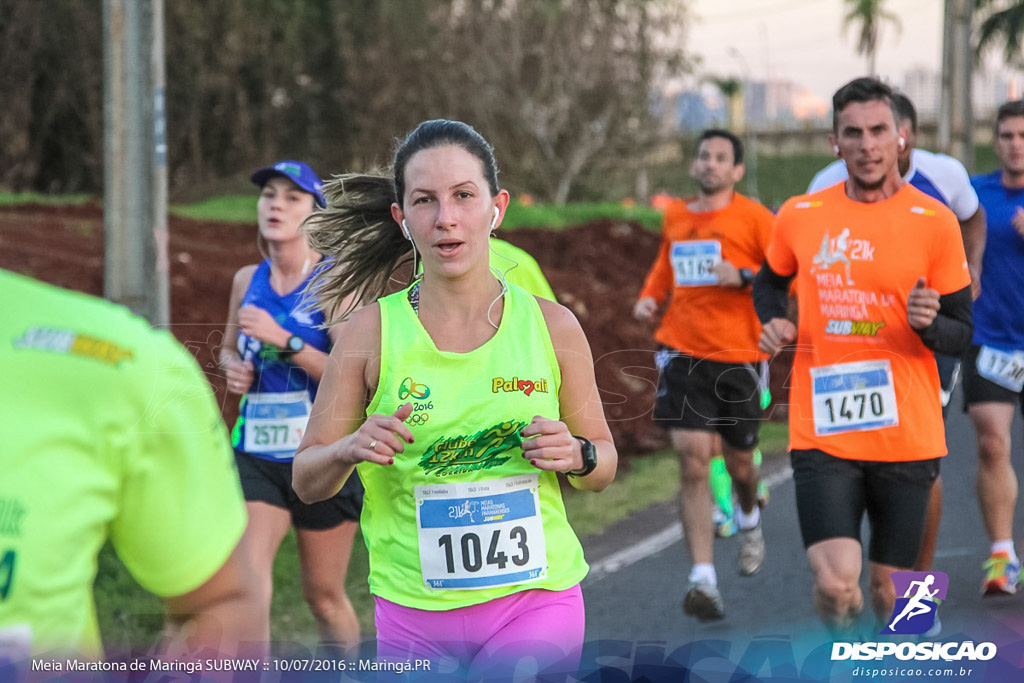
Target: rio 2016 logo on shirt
914, 612
460, 454
515, 384
410, 389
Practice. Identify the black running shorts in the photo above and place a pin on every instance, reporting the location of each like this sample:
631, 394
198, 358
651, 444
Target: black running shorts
695, 393
977, 389
833, 494
270, 481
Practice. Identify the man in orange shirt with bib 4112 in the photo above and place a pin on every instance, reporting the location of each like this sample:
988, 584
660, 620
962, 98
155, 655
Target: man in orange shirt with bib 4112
882, 284
711, 373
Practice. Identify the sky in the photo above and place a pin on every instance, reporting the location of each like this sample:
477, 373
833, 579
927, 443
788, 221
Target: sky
804, 40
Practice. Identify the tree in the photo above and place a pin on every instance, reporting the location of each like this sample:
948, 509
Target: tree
732, 90
1003, 21
868, 15
563, 88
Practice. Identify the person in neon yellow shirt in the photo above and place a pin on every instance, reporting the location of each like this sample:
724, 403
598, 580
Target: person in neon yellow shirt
111, 432
518, 267
459, 400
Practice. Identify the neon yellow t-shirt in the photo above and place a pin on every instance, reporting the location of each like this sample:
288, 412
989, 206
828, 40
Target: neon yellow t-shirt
461, 517
110, 431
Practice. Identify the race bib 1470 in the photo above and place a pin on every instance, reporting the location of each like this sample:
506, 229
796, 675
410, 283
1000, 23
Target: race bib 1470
853, 397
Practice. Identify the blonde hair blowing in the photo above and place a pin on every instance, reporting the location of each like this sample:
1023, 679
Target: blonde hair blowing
366, 245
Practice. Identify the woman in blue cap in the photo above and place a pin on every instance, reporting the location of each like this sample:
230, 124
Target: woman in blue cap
274, 358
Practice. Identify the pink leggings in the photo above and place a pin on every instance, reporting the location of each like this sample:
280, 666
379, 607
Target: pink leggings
532, 634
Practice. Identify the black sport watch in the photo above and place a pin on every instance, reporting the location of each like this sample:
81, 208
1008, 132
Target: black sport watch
294, 344
746, 277
589, 454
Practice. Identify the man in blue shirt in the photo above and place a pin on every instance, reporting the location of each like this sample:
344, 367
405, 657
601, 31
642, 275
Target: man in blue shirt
994, 365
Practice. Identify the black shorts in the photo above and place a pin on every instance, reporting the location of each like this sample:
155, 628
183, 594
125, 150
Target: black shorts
270, 481
977, 389
695, 393
832, 495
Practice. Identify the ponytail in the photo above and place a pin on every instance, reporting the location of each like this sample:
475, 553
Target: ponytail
364, 243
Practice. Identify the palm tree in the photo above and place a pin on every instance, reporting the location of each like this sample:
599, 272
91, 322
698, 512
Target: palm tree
869, 15
1003, 22
732, 89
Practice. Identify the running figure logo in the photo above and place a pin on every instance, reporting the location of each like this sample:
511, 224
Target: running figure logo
833, 251
915, 612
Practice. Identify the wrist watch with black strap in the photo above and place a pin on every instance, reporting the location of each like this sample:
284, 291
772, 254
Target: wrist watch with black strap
294, 344
746, 277
589, 454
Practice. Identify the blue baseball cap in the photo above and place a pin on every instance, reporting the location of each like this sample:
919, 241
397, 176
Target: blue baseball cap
297, 172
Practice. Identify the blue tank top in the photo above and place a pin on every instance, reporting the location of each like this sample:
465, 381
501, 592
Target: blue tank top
272, 415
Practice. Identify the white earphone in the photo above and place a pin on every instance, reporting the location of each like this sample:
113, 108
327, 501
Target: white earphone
903, 142
494, 221
405, 231
835, 149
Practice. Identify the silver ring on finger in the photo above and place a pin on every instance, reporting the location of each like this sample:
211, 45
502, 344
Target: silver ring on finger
373, 445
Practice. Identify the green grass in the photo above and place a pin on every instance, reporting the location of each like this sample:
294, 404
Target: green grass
556, 217
778, 178
242, 209
649, 479
229, 209
16, 198
131, 618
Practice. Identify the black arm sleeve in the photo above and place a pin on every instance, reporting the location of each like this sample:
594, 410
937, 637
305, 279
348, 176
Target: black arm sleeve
951, 331
771, 293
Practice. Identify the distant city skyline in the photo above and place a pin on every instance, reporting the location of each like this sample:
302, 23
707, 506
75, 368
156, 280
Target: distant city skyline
804, 41
793, 54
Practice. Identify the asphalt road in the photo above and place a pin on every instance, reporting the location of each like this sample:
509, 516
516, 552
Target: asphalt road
636, 629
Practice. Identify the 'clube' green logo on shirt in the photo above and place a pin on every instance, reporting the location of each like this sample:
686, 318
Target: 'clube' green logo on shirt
460, 454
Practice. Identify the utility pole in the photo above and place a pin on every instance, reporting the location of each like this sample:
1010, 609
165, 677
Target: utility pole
135, 158
956, 119
740, 124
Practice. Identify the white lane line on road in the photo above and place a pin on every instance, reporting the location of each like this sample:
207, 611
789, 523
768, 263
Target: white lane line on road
657, 542
636, 552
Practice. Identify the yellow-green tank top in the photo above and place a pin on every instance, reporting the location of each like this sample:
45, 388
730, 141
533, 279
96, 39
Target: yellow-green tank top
461, 517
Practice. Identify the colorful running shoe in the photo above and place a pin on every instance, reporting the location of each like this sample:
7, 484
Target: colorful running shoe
1002, 576
725, 523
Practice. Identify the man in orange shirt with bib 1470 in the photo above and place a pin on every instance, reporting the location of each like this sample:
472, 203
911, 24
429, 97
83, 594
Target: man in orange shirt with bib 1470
882, 283
711, 373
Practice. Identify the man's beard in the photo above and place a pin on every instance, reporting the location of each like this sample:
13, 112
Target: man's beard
711, 187
870, 187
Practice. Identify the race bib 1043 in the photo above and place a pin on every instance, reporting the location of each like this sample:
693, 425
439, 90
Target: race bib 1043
853, 397
483, 534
